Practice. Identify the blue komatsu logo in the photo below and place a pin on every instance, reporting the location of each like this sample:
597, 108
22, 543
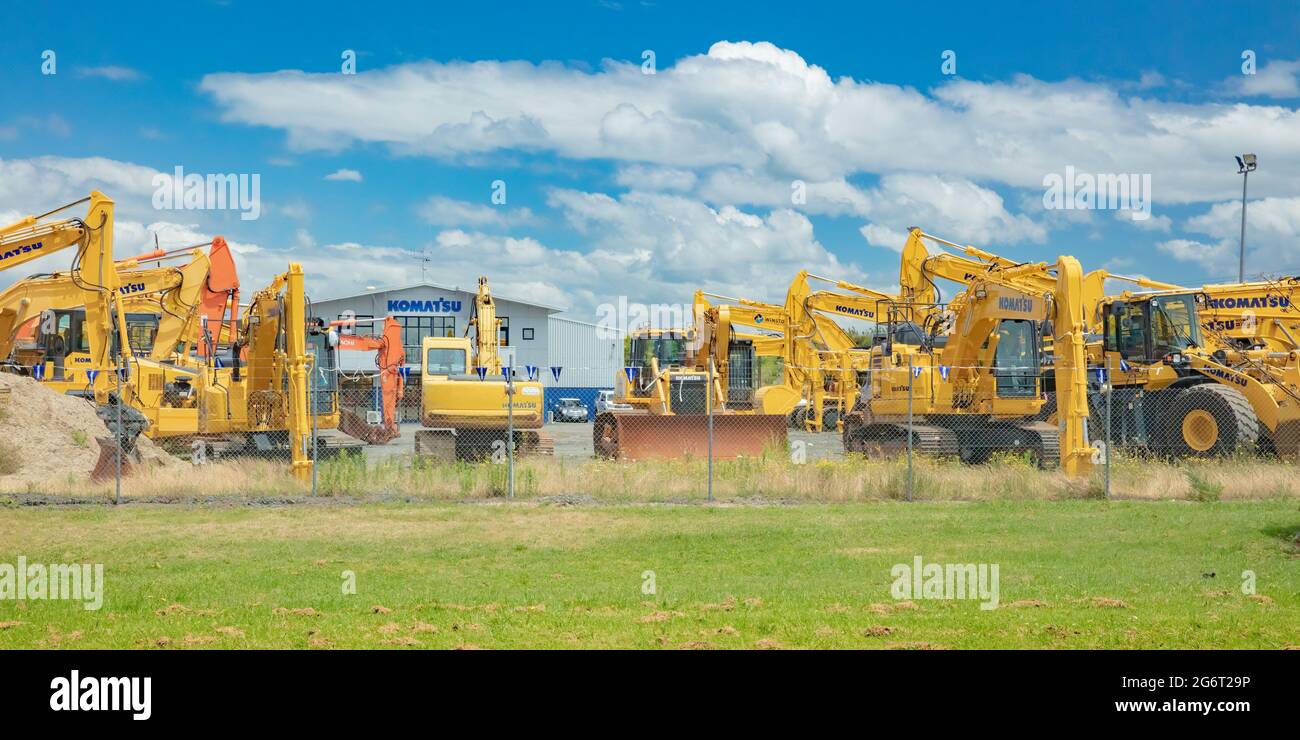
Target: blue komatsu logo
1252, 301
1019, 305
133, 287
21, 249
441, 305
850, 311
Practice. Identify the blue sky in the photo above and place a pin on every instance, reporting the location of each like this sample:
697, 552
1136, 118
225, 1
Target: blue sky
620, 183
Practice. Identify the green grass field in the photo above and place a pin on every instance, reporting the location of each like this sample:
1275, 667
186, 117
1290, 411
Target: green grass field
1073, 574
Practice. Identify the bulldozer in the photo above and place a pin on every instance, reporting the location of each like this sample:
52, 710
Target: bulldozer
690, 395
472, 405
966, 382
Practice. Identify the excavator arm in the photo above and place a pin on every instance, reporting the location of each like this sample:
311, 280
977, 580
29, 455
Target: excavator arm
93, 271
487, 329
390, 356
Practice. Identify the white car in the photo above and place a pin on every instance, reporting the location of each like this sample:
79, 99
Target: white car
605, 402
570, 409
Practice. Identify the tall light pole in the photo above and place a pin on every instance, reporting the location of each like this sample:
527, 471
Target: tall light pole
1246, 164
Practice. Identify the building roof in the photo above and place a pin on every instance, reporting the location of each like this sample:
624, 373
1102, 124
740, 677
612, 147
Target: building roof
438, 286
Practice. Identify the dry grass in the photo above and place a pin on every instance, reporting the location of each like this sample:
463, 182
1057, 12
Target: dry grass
770, 477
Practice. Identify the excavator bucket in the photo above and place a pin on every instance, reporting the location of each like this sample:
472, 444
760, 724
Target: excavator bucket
354, 425
107, 466
624, 436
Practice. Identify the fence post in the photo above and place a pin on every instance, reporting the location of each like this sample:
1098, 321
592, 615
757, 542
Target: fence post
911, 375
117, 494
315, 440
510, 432
1110, 394
709, 408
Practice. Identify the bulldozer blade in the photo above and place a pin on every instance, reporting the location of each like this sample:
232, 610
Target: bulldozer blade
644, 436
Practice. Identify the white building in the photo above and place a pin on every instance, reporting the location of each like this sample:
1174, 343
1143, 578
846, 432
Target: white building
531, 334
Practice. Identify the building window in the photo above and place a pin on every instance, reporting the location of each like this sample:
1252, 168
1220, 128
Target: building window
416, 328
503, 336
364, 325
528, 334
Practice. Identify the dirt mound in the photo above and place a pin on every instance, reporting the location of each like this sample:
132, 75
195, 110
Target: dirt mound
47, 436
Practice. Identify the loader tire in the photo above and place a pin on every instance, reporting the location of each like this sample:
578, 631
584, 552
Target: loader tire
1209, 421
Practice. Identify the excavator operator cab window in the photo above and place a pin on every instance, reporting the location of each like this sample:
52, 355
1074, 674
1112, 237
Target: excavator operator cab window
141, 330
324, 370
1126, 330
444, 361
1015, 359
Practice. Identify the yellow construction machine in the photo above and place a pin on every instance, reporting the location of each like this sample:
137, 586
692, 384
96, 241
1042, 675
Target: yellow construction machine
166, 308
82, 343
1191, 372
966, 382
470, 408
683, 383
1183, 390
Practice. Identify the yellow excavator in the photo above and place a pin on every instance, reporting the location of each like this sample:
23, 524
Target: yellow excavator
469, 408
821, 361
85, 348
1192, 372
968, 385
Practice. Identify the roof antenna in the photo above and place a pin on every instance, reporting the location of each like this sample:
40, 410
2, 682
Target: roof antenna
424, 260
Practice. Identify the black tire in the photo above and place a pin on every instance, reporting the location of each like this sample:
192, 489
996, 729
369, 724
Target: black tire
830, 420
798, 417
1208, 420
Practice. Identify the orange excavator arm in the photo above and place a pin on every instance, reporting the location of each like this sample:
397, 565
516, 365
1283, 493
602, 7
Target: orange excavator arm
390, 356
220, 291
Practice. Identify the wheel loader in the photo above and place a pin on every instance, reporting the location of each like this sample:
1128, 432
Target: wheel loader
1180, 390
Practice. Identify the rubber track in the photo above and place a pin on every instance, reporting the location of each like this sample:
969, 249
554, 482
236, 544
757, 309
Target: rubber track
1048, 443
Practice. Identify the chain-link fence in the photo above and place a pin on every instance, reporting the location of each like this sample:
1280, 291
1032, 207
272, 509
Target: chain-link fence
907, 432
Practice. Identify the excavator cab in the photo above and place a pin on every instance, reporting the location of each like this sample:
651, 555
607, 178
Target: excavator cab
60, 334
322, 347
1017, 358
